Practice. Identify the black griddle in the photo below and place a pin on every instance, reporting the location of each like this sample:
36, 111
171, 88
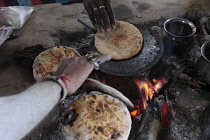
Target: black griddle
150, 55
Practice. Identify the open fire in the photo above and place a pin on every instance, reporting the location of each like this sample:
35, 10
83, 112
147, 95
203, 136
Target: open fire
147, 89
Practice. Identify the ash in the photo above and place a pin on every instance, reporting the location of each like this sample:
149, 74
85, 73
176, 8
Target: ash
181, 129
81, 42
186, 93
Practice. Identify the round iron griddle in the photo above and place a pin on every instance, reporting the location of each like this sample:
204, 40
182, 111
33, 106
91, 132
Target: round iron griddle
150, 55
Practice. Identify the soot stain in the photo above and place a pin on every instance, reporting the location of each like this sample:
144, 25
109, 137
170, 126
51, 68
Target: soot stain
115, 135
98, 110
135, 2
101, 129
122, 12
171, 4
143, 6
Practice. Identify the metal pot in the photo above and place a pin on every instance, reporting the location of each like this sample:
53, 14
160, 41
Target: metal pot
179, 35
203, 65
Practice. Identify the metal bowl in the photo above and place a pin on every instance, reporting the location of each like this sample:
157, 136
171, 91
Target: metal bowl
205, 51
179, 27
179, 35
203, 65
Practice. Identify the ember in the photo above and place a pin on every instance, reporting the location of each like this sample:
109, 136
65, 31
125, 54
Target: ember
165, 115
137, 112
147, 89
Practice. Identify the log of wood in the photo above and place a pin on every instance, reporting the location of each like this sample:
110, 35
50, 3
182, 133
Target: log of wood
150, 125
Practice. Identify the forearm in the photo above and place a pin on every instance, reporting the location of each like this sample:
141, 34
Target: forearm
20, 113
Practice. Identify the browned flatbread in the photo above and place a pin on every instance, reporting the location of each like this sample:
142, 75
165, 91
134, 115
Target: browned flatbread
123, 43
47, 62
98, 117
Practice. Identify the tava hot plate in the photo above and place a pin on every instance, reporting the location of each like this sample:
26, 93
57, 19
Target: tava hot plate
150, 55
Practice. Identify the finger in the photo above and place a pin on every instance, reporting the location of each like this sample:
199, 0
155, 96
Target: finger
104, 58
90, 13
83, 60
63, 65
110, 13
104, 15
101, 58
97, 16
105, 19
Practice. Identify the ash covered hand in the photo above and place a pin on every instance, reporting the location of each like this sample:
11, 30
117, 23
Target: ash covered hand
101, 14
77, 69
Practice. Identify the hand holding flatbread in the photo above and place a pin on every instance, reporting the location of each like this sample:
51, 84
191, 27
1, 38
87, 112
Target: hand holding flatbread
67, 62
123, 43
47, 62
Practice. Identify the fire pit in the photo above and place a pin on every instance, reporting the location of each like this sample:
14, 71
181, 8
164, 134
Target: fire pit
177, 110
171, 101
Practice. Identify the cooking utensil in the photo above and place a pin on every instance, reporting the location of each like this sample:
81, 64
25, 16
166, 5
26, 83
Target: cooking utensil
202, 67
88, 26
180, 35
150, 55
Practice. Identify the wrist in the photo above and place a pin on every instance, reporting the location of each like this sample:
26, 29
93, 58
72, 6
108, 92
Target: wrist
58, 80
67, 82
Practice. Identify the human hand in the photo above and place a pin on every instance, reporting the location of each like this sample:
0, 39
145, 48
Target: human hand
77, 69
101, 14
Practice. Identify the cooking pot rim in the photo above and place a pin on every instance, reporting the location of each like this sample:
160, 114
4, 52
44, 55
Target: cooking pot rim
183, 21
203, 49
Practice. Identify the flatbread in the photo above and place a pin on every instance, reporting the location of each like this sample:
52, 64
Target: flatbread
123, 43
47, 62
98, 117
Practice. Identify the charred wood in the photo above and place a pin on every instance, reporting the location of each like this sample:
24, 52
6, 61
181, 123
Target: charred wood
150, 125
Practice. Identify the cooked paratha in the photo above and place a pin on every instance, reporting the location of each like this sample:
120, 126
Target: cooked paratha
47, 62
122, 43
97, 116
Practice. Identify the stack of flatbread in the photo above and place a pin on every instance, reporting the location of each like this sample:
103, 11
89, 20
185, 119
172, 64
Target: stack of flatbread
47, 62
122, 43
98, 116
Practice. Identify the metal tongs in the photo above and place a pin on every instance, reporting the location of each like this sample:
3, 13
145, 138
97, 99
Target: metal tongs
94, 30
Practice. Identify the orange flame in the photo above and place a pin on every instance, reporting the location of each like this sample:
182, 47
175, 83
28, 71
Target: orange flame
136, 112
158, 84
147, 89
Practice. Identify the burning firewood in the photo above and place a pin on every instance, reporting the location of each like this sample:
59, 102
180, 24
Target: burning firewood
150, 125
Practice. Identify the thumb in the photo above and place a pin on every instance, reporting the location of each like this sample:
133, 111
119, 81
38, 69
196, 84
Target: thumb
104, 57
